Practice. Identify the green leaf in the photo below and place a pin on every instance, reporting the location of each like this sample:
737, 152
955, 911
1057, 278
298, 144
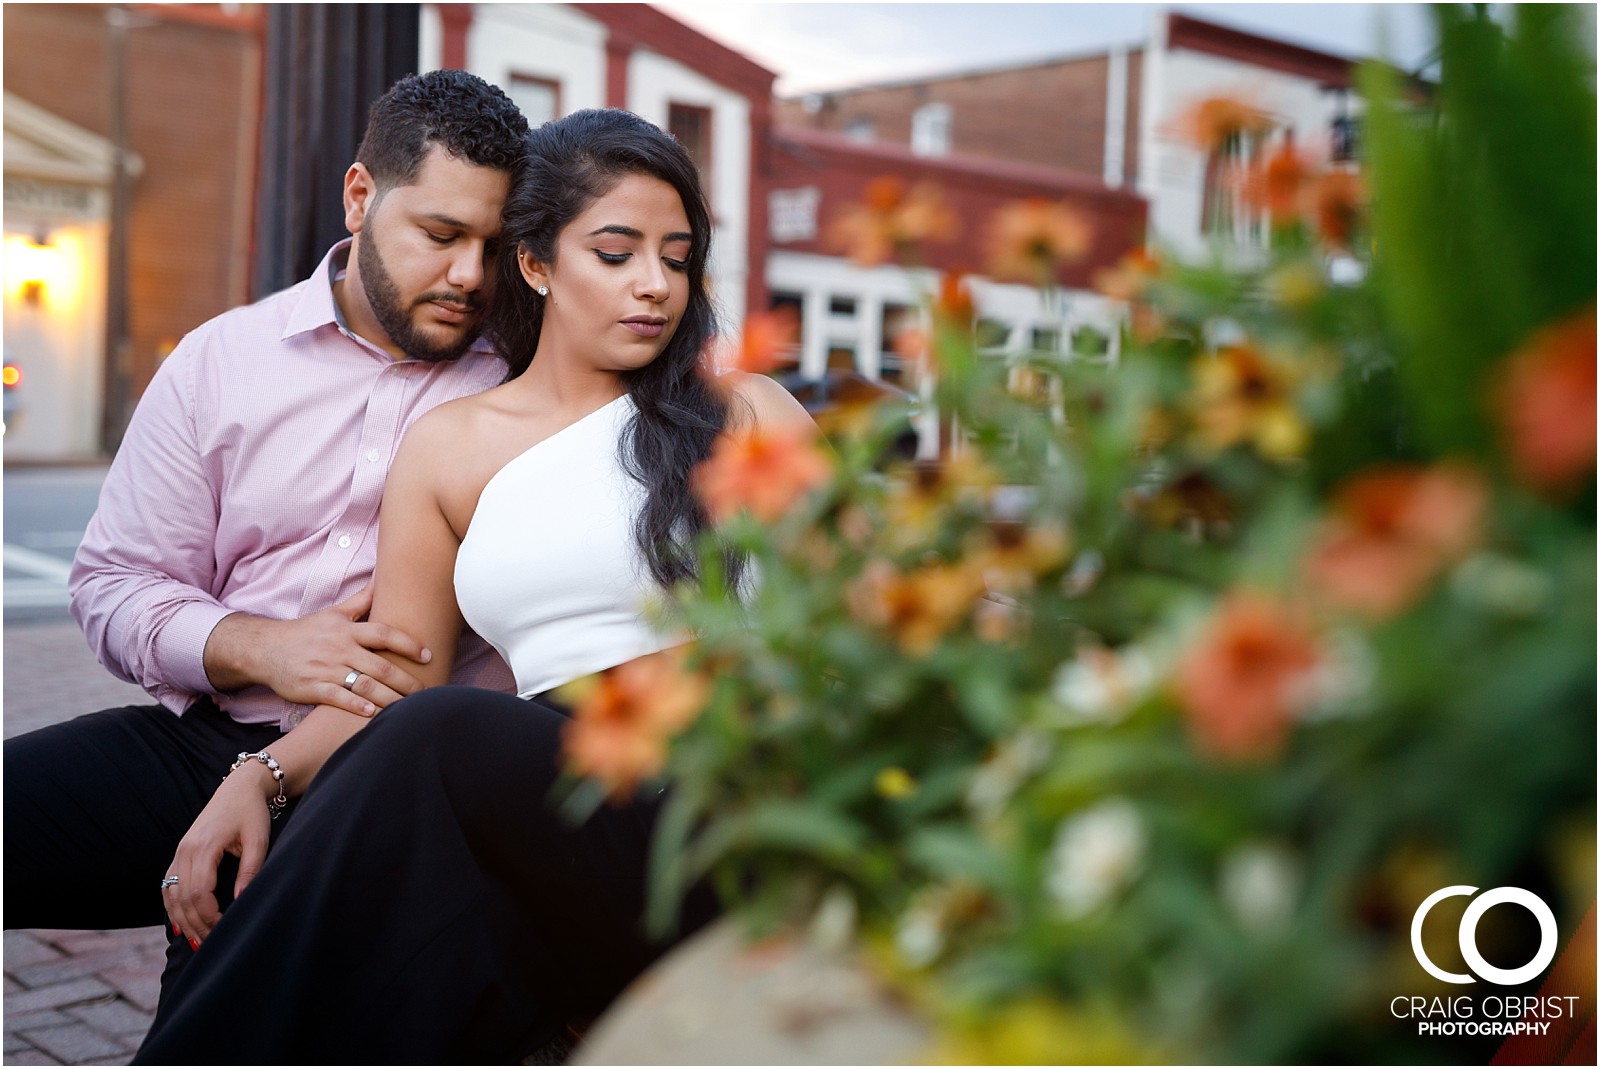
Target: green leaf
954, 851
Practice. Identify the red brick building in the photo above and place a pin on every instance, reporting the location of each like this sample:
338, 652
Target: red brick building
192, 98
1049, 113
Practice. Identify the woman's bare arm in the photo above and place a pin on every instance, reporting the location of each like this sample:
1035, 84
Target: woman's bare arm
413, 589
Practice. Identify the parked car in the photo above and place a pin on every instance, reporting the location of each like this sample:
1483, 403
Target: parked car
829, 398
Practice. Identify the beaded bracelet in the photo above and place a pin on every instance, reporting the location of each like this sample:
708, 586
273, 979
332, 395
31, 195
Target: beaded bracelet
274, 805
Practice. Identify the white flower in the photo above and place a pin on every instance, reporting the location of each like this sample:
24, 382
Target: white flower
834, 924
1100, 686
1260, 884
1501, 584
920, 934
1341, 680
997, 779
1097, 853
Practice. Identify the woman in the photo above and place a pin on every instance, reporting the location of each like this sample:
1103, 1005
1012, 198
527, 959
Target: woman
425, 904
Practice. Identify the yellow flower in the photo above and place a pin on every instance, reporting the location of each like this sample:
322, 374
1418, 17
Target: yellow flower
923, 494
1240, 396
1014, 555
1041, 1031
918, 608
894, 783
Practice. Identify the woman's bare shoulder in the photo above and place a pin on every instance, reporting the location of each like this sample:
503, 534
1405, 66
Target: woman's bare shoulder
761, 401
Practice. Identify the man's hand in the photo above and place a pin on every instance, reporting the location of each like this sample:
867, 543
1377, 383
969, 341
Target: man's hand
236, 821
307, 660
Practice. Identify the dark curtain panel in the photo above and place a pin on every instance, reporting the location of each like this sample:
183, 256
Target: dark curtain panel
326, 64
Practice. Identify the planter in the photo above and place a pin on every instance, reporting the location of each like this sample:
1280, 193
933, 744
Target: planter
718, 1000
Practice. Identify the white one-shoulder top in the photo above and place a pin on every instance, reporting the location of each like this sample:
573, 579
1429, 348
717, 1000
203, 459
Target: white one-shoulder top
549, 572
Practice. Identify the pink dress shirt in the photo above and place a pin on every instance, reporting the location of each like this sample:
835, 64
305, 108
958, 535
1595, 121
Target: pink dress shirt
249, 481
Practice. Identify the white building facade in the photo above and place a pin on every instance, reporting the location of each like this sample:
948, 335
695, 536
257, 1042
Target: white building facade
554, 59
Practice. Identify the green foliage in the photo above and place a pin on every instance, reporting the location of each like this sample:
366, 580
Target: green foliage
986, 699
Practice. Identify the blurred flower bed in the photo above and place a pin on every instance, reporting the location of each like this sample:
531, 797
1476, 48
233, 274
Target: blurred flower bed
1136, 726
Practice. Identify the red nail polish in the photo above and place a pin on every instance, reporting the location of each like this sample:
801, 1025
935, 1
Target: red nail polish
194, 944
176, 930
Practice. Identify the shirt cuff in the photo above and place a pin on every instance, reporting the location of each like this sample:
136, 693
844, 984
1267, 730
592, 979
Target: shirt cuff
183, 646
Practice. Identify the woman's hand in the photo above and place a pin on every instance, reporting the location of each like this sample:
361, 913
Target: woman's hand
236, 821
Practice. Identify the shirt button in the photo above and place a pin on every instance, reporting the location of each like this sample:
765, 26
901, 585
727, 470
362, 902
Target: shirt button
294, 719
344, 541
374, 456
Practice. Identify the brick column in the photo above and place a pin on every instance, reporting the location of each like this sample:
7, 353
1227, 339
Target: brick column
454, 22
757, 230
619, 50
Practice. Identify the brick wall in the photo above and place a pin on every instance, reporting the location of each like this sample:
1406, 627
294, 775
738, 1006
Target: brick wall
193, 96
840, 170
1049, 115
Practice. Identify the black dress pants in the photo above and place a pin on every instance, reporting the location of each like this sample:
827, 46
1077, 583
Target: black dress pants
427, 905
95, 807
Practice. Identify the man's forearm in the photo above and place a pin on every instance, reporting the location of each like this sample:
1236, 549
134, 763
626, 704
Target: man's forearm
232, 653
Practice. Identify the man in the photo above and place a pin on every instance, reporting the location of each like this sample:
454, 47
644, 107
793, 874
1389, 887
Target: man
225, 569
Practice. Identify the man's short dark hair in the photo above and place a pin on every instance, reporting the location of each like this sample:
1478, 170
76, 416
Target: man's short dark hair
460, 112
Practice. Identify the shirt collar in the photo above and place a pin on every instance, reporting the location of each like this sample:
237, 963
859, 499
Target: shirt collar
316, 306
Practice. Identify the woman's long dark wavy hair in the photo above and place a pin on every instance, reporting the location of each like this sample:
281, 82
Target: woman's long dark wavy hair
570, 163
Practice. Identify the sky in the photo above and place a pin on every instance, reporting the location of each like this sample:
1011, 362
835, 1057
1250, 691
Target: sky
818, 46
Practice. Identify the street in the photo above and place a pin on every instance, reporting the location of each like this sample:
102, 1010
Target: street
71, 998
46, 511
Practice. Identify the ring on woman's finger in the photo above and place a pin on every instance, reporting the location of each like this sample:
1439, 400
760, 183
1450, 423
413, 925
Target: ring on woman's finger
168, 881
350, 680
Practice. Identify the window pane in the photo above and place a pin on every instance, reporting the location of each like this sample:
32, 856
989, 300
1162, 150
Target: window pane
538, 98
692, 127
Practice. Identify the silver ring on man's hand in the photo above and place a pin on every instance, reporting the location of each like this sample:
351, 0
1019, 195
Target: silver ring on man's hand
168, 881
350, 680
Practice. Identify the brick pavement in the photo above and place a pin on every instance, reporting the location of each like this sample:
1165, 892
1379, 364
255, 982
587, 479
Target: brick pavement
71, 997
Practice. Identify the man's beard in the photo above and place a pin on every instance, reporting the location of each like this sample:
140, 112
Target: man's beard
390, 309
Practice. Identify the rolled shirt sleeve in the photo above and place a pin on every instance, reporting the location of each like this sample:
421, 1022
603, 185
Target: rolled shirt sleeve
142, 581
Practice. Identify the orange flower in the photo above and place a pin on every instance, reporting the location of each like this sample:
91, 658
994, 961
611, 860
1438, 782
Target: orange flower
619, 731
1243, 680
918, 608
761, 471
1337, 200
952, 318
1192, 503
1393, 530
1209, 123
1015, 554
1279, 185
1545, 402
768, 338
1131, 276
1241, 396
954, 303
892, 220
1030, 239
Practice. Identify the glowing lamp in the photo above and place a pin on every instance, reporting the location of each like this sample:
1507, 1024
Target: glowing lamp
34, 264
12, 375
